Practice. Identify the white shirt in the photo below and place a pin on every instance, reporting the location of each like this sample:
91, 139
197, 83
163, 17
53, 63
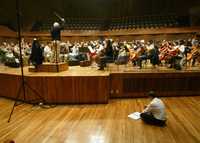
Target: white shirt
150, 47
91, 49
182, 48
101, 47
75, 51
47, 51
157, 108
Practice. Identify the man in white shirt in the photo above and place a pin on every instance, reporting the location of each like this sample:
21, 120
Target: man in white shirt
154, 113
48, 53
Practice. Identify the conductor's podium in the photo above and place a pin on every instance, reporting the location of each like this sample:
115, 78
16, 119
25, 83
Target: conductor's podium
49, 67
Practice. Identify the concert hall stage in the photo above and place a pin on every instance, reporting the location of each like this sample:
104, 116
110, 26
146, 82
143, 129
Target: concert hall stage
80, 85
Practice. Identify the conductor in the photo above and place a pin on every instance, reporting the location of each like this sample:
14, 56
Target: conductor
55, 35
56, 29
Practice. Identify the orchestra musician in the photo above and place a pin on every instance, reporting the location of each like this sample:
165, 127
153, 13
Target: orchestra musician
95, 52
106, 55
153, 55
142, 55
170, 54
36, 57
123, 55
194, 54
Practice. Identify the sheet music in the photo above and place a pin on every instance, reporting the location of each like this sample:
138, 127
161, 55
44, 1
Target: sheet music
134, 115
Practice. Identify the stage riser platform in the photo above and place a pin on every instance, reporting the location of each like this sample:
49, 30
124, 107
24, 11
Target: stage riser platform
58, 90
165, 84
85, 85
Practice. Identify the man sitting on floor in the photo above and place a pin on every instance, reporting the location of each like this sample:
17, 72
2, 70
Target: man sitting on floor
154, 113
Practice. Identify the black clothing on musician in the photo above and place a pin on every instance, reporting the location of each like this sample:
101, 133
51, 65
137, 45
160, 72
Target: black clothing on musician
36, 56
142, 56
107, 57
109, 50
154, 56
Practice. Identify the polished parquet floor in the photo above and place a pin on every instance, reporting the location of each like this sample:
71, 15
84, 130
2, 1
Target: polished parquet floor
107, 123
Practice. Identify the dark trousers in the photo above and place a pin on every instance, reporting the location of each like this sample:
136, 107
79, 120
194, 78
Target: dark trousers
150, 119
104, 60
140, 59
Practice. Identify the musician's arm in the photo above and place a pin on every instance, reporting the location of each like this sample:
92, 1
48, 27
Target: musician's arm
61, 19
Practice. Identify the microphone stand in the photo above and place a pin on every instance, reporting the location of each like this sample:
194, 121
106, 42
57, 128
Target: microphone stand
23, 82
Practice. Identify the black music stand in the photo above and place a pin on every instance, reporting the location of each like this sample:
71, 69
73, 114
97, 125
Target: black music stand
23, 83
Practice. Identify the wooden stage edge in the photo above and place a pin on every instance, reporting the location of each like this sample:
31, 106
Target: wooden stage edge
87, 85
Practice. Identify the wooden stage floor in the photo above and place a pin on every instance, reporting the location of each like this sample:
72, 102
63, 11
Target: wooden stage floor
93, 71
107, 123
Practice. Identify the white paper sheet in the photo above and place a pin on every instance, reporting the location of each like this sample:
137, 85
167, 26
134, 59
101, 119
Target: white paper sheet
135, 115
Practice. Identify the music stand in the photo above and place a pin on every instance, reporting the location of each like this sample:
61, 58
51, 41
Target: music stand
23, 83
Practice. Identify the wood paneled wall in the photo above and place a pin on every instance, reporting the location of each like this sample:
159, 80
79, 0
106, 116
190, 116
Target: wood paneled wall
127, 35
156, 34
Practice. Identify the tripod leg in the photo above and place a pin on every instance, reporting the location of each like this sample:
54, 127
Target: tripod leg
18, 94
12, 111
35, 91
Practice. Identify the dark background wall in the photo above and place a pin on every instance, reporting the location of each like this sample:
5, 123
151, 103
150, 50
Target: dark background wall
42, 10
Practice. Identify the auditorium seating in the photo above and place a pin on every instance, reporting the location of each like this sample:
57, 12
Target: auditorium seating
136, 22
